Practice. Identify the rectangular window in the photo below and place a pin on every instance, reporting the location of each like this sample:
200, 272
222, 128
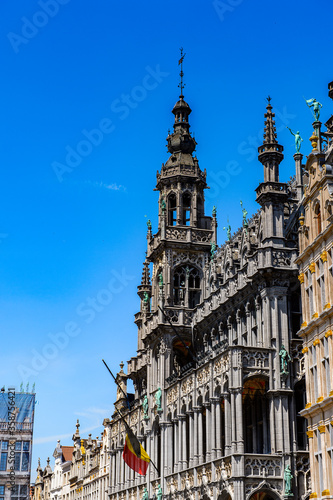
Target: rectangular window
3, 461
26, 445
326, 366
4, 445
319, 457
17, 461
18, 445
25, 460
2, 490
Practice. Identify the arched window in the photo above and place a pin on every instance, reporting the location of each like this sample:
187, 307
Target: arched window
318, 218
186, 287
186, 209
172, 210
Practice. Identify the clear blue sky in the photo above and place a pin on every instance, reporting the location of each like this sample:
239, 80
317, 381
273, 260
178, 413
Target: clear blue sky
75, 66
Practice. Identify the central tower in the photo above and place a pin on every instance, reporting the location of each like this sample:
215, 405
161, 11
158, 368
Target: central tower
180, 253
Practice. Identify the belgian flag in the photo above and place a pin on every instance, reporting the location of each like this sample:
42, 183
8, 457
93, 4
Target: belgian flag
134, 454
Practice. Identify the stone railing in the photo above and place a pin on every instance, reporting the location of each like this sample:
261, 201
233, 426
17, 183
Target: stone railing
263, 466
19, 426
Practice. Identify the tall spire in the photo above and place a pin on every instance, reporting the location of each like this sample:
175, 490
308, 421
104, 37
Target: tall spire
181, 141
270, 153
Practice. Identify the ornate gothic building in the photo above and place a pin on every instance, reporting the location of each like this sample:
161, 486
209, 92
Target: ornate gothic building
219, 369
220, 404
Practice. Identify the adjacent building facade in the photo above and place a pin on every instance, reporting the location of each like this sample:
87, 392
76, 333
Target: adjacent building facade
16, 430
316, 278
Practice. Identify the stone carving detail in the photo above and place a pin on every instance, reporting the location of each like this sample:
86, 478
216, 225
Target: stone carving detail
187, 386
135, 417
188, 315
172, 394
201, 236
176, 234
203, 375
221, 365
262, 467
183, 257
255, 359
272, 485
280, 258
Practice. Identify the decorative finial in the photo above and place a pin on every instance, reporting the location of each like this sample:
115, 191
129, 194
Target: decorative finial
121, 366
48, 461
77, 426
181, 74
268, 99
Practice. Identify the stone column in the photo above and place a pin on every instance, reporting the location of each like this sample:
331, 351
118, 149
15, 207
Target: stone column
227, 423
208, 432
175, 445
218, 451
180, 443
298, 167
233, 422
183, 426
196, 424
239, 420
191, 435
200, 439
213, 433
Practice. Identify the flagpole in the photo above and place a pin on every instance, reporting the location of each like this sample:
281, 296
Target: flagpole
121, 416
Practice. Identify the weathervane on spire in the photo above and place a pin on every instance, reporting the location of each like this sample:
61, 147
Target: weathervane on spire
268, 99
181, 74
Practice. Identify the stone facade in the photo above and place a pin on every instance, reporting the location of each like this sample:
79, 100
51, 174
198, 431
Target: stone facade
316, 278
219, 370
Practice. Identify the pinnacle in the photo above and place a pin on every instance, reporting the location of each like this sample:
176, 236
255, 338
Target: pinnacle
270, 136
145, 280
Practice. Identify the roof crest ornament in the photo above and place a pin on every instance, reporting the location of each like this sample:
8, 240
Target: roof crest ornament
181, 74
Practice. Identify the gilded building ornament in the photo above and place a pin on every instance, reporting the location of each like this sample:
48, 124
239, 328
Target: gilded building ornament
301, 278
328, 333
305, 349
312, 267
321, 428
310, 434
316, 342
323, 256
